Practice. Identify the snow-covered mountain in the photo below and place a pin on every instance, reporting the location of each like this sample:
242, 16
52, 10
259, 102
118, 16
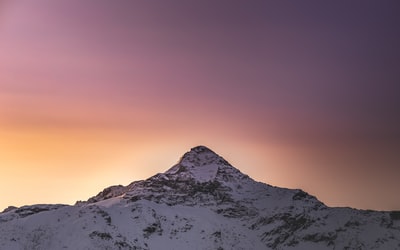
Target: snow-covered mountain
200, 203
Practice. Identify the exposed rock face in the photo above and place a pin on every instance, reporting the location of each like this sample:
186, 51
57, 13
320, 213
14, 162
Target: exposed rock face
200, 203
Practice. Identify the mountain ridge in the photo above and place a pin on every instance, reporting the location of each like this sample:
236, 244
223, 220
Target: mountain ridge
202, 202
199, 165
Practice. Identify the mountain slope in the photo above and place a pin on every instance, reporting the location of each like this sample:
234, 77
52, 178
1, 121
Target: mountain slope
200, 203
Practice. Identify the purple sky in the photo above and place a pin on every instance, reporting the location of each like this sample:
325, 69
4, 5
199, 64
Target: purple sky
316, 81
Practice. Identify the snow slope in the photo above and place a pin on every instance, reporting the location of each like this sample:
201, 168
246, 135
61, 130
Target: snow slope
200, 203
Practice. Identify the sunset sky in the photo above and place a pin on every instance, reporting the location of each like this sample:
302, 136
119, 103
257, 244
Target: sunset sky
297, 94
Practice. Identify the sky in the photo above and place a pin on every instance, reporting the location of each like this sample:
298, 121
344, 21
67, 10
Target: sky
295, 94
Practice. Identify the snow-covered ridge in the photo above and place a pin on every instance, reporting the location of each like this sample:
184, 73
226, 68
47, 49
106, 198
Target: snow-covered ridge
202, 202
200, 169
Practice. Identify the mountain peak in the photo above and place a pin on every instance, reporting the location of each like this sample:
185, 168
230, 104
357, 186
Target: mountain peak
199, 156
201, 164
197, 168
201, 149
